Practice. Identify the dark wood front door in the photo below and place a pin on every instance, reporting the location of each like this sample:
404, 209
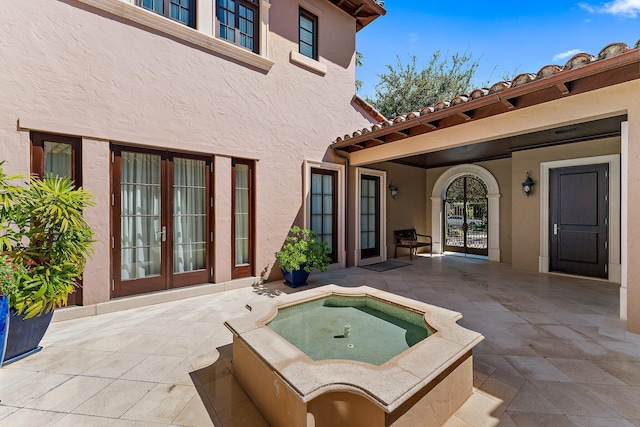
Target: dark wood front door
578, 220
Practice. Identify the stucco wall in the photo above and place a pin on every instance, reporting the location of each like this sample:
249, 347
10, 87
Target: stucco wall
501, 170
526, 212
407, 210
69, 68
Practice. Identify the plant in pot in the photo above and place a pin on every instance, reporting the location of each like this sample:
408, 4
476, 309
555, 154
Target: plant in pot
43, 232
300, 254
9, 275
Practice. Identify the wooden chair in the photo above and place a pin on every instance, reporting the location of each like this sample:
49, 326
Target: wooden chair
411, 240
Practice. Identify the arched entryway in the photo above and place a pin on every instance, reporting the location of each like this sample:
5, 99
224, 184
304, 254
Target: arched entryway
466, 216
439, 195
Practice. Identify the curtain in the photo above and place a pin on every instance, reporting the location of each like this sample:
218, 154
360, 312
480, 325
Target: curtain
57, 159
189, 214
140, 215
242, 214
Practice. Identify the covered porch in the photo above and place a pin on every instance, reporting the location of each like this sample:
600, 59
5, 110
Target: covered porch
573, 124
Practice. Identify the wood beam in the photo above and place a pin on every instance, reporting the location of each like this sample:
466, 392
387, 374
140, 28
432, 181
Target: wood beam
563, 88
507, 103
465, 116
372, 143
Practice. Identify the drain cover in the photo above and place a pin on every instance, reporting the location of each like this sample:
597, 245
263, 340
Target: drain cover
350, 346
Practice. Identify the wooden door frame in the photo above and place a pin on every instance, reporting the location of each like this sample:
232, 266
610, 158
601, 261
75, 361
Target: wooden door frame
613, 160
383, 217
598, 268
37, 167
168, 279
238, 272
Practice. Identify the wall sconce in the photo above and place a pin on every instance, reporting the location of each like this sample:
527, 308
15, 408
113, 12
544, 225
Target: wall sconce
527, 185
394, 190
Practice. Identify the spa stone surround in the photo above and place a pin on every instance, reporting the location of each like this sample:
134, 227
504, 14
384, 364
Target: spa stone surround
423, 386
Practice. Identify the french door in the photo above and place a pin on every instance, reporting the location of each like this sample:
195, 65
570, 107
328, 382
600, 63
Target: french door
466, 216
369, 216
161, 220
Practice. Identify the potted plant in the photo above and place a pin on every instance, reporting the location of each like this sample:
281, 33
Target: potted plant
300, 254
42, 231
9, 274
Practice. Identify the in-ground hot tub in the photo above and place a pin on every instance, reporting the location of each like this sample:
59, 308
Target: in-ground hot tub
334, 356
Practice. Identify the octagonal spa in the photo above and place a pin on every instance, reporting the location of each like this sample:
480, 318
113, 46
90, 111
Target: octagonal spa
335, 356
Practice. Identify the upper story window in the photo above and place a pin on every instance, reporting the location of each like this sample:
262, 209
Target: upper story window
239, 22
179, 10
308, 43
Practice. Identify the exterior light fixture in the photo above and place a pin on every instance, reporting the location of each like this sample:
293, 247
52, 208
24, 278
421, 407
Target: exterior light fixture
527, 185
394, 190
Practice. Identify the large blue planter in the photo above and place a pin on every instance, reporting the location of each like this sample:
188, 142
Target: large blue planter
25, 335
295, 278
4, 325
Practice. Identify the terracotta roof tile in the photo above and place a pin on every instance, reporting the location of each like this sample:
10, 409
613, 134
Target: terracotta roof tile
520, 81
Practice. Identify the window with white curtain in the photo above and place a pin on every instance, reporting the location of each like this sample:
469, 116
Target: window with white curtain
57, 159
141, 215
189, 214
242, 214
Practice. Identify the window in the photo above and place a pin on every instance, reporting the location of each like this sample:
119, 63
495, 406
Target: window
239, 22
324, 218
61, 156
178, 10
308, 35
243, 218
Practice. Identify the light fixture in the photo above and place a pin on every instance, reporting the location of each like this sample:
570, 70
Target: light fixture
527, 185
394, 190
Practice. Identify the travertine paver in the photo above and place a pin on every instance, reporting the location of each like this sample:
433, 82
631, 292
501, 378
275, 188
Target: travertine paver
554, 354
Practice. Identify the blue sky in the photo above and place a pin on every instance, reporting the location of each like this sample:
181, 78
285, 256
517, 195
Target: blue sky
505, 35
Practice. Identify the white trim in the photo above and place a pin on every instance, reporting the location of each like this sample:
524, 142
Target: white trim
340, 209
309, 63
493, 196
613, 160
383, 217
165, 25
624, 217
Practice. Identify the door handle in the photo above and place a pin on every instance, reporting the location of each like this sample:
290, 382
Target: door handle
163, 232
555, 229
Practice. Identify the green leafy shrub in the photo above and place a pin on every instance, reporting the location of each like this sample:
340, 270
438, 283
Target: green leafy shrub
301, 250
43, 231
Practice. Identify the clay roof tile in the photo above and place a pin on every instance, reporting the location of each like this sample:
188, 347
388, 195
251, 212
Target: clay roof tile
521, 79
478, 93
579, 60
611, 50
499, 87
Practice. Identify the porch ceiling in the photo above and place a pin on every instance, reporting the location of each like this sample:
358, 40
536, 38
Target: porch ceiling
502, 148
616, 63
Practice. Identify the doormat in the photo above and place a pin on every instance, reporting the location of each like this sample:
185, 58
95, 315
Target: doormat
385, 265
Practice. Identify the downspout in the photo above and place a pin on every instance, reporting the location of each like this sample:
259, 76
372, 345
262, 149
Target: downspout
346, 201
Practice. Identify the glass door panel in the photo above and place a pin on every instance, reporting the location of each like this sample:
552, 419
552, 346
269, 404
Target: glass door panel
142, 232
189, 215
242, 215
369, 216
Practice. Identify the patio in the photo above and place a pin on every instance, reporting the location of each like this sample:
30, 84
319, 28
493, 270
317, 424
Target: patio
555, 354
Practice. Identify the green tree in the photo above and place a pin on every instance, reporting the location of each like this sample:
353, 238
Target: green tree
406, 87
359, 63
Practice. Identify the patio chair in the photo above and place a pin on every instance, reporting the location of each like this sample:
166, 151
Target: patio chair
411, 240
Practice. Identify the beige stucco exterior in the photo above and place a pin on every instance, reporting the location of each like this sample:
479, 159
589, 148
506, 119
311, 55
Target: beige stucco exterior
111, 72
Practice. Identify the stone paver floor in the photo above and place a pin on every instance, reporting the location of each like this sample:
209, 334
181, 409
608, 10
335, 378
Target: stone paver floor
554, 354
